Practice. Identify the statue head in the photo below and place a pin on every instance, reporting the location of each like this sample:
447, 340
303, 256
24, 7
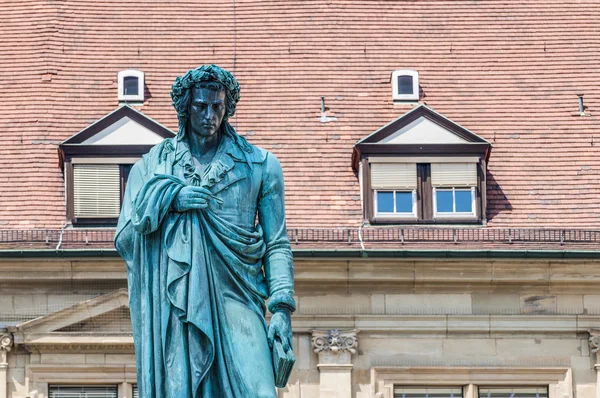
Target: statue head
201, 82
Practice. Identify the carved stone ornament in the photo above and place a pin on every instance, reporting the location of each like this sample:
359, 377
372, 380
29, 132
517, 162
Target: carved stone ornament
335, 341
594, 340
6, 342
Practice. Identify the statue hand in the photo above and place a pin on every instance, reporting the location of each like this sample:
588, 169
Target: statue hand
191, 197
281, 326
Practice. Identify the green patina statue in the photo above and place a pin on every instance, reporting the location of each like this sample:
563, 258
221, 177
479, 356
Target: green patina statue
200, 266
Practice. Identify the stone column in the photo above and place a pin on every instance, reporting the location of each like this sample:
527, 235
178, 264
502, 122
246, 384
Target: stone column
594, 348
6, 342
335, 349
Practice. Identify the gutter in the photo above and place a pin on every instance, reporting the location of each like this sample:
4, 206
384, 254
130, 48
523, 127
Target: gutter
341, 253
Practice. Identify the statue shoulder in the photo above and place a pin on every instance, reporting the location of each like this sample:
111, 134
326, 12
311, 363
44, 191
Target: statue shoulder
255, 153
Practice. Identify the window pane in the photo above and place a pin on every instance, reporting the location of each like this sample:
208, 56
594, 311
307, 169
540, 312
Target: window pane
404, 202
514, 392
385, 202
130, 85
463, 201
444, 201
405, 84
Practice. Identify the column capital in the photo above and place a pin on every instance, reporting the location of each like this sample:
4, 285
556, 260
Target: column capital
594, 340
6, 341
335, 341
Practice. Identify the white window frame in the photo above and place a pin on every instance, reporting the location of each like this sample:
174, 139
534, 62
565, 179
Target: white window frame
455, 214
121, 84
415, 80
411, 215
558, 379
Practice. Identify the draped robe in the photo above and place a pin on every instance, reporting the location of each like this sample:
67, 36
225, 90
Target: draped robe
198, 279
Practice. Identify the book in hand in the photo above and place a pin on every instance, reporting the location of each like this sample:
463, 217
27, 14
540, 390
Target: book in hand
283, 363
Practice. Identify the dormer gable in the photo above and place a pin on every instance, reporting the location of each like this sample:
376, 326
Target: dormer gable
421, 131
123, 132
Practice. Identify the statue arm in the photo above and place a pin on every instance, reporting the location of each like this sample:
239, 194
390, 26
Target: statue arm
148, 197
278, 261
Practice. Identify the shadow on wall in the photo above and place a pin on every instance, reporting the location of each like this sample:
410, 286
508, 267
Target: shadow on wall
497, 200
147, 93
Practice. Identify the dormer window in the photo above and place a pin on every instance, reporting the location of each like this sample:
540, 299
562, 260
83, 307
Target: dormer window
405, 85
131, 85
423, 168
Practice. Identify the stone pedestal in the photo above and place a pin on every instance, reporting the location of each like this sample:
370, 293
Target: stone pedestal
6, 343
335, 349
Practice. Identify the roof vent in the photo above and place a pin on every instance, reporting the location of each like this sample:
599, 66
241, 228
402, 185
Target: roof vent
405, 85
131, 85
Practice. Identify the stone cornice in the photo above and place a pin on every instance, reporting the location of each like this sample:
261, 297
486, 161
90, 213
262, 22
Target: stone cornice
68, 342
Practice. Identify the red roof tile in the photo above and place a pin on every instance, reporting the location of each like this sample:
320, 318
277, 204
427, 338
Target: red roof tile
508, 71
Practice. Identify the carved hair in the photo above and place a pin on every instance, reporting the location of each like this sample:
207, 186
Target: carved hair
215, 78
222, 79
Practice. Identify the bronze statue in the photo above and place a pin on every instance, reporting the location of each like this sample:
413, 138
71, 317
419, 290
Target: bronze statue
199, 266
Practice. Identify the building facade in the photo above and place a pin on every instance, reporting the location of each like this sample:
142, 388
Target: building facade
442, 192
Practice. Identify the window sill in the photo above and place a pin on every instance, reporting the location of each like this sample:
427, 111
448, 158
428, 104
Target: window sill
94, 222
444, 221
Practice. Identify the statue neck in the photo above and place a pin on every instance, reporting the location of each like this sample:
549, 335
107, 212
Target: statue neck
204, 149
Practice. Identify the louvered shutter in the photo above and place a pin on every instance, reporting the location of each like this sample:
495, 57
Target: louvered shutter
96, 190
394, 176
136, 394
454, 175
83, 392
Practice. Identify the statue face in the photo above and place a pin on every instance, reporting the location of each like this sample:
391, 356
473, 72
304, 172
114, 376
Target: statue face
207, 110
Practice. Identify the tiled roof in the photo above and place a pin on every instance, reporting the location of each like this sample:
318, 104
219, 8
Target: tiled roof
508, 71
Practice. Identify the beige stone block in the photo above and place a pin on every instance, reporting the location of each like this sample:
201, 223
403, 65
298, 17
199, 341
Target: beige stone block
57, 358
35, 358
583, 370
469, 347
361, 390
6, 304
303, 352
11, 359
382, 270
59, 301
309, 390
585, 390
509, 348
585, 348
16, 375
533, 323
538, 304
402, 323
94, 358
399, 346
535, 271
120, 358
336, 304
569, 303
591, 303
501, 303
473, 324
30, 302
378, 303
445, 270
428, 304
